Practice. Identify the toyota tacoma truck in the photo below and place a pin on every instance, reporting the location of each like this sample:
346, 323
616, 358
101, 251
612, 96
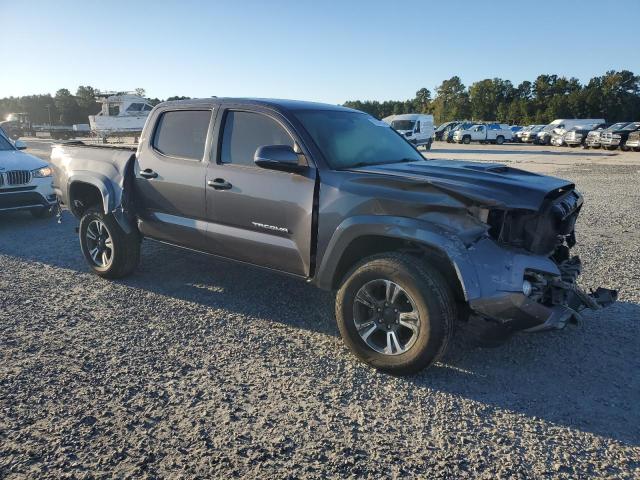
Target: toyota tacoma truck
336, 198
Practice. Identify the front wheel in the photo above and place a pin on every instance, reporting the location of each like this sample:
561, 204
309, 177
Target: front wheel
466, 140
500, 140
108, 249
395, 313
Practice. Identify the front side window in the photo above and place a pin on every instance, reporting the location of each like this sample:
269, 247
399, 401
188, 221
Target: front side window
352, 139
135, 107
244, 132
182, 133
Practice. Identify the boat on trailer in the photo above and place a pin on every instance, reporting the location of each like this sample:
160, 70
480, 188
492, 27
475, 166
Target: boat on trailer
121, 113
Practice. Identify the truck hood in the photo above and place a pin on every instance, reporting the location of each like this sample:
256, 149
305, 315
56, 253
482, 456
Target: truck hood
483, 184
18, 160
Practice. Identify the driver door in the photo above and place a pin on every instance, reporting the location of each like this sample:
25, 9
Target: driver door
257, 215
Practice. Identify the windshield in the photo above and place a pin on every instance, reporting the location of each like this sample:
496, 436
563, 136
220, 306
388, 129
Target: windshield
463, 126
550, 127
443, 126
617, 126
403, 124
4, 143
632, 126
352, 139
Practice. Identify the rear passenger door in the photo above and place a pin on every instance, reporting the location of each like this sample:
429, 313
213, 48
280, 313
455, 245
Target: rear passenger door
258, 215
170, 177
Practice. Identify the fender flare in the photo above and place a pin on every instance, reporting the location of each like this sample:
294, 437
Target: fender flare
111, 201
402, 228
483, 268
98, 180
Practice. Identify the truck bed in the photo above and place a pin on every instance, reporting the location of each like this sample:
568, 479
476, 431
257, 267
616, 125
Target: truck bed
102, 166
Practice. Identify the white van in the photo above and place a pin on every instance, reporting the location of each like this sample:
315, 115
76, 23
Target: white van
416, 127
544, 136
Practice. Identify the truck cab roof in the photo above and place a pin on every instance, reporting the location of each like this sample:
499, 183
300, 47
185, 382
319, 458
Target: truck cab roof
277, 104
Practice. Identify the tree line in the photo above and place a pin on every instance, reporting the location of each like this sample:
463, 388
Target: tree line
614, 96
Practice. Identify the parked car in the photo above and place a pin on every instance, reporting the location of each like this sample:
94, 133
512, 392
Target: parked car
517, 136
442, 130
460, 126
557, 137
515, 129
633, 141
613, 138
416, 127
530, 135
594, 137
544, 136
25, 180
578, 135
490, 133
336, 198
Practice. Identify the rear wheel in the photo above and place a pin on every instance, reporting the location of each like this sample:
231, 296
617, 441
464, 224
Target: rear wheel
108, 249
395, 313
500, 140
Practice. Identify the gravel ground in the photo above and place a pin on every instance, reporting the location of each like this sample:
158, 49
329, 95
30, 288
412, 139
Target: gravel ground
194, 367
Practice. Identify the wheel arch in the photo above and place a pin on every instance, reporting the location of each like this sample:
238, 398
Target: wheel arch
355, 241
86, 191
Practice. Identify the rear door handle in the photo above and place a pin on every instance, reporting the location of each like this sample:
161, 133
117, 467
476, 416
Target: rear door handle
148, 173
219, 184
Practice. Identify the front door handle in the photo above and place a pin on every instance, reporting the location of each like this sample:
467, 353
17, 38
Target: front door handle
219, 184
148, 173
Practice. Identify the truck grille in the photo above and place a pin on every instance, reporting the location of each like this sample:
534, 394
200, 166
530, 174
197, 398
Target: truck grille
15, 177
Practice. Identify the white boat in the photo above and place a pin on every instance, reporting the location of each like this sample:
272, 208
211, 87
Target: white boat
120, 113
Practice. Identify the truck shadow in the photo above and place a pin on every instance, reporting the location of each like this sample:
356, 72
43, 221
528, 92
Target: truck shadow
584, 377
506, 151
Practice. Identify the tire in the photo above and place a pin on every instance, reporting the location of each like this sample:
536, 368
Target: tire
424, 294
122, 257
427, 146
42, 212
466, 140
636, 149
499, 139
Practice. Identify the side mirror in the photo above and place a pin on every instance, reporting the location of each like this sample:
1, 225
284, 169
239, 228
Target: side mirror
277, 157
20, 145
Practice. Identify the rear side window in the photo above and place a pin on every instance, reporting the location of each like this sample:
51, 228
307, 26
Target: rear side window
182, 133
244, 132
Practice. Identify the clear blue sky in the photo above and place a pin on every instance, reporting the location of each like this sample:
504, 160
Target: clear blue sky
322, 50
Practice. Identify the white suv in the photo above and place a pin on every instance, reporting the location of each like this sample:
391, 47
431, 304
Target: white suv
25, 180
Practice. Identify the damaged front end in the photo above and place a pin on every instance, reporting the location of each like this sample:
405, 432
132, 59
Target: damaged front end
530, 281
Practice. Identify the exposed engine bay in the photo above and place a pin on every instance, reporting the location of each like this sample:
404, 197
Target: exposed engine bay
550, 232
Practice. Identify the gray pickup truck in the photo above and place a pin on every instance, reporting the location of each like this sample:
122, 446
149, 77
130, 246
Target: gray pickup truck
337, 198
